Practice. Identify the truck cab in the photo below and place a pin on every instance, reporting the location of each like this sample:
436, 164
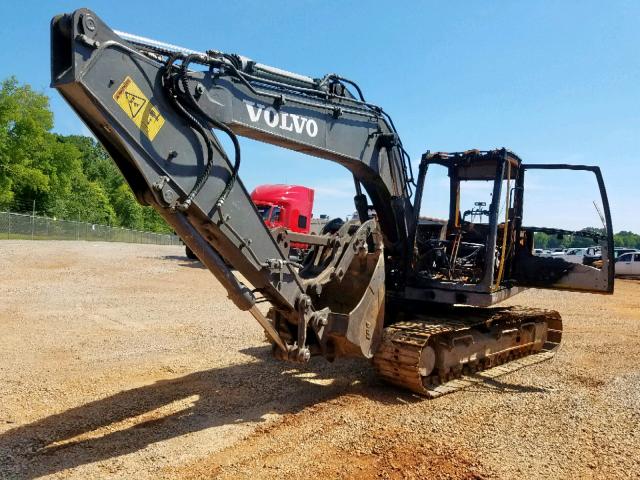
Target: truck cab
288, 206
628, 264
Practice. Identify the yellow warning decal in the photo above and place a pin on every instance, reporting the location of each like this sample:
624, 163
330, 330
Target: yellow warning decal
138, 107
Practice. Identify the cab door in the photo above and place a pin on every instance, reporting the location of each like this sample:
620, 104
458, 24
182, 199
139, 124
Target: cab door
624, 264
635, 268
574, 255
564, 273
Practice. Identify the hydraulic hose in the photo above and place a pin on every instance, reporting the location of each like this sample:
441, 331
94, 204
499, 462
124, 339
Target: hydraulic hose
216, 124
172, 90
170, 83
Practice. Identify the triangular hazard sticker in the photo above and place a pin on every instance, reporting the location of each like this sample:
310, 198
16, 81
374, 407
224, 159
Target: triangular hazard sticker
138, 108
135, 103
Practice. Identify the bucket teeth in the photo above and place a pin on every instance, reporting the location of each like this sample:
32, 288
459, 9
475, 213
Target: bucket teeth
397, 359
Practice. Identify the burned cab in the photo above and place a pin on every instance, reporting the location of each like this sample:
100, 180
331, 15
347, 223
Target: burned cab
483, 252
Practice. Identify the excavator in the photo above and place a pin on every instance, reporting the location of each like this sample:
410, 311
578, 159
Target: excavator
416, 298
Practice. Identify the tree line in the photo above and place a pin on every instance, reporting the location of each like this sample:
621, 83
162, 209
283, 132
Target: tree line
620, 239
63, 176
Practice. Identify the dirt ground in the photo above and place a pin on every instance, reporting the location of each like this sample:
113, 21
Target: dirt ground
127, 361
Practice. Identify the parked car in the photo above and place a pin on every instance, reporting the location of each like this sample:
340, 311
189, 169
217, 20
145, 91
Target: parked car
628, 264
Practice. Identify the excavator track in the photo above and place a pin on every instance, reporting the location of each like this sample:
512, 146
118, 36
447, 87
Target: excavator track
433, 355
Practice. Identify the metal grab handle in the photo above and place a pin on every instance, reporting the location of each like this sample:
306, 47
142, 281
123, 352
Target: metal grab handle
468, 339
510, 331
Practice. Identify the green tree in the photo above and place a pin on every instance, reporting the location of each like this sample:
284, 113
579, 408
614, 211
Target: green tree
69, 176
627, 239
89, 203
621, 239
99, 167
25, 121
130, 213
153, 222
96, 163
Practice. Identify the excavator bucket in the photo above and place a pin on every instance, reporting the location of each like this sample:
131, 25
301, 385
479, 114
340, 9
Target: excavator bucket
357, 305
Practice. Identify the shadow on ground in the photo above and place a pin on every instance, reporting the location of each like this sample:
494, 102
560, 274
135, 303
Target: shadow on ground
185, 261
488, 385
234, 394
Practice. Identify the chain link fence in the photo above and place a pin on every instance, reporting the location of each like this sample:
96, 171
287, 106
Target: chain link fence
21, 226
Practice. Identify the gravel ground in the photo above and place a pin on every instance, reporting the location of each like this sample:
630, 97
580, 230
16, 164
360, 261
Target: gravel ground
120, 361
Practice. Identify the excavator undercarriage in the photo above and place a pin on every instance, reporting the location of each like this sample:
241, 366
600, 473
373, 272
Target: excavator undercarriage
440, 353
414, 295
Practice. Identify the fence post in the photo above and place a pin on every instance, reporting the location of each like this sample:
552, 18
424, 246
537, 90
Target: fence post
33, 219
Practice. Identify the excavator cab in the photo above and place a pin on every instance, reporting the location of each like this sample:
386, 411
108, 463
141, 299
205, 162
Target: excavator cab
485, 253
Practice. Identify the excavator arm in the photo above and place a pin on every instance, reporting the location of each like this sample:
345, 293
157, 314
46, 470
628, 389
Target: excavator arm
159, 109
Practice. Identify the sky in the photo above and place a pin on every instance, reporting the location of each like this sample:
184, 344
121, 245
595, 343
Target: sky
555, 82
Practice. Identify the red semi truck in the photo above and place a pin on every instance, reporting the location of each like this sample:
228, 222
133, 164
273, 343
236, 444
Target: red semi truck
288, 206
